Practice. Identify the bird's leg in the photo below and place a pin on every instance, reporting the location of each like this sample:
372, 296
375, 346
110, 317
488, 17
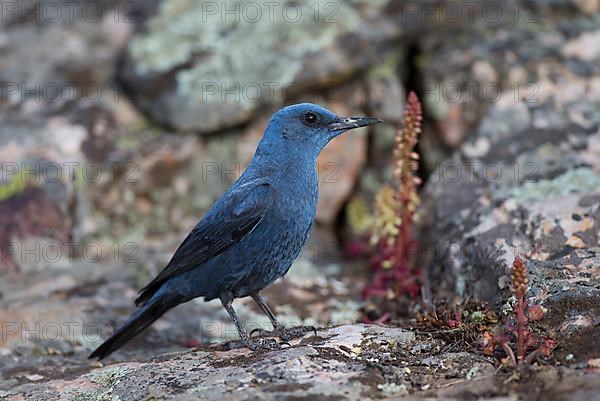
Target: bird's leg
227, 301
267, 311
227, 304
278, 329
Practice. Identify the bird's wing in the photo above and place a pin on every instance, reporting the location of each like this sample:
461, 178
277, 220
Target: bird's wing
233, 217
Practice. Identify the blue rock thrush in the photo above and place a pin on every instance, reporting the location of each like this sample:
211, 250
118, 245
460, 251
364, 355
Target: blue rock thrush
250, 237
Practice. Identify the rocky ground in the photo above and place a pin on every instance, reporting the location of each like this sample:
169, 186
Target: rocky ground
110, 154
350, 362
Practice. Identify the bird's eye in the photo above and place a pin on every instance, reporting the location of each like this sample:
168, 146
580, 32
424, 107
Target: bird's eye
311, 118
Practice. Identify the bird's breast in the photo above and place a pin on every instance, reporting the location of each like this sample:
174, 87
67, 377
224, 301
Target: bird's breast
299, 195
278, 240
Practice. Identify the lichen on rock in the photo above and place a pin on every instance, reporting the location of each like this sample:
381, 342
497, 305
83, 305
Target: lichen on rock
577, 180
224, 60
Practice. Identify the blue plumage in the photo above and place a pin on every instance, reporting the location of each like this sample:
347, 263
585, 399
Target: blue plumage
252, 234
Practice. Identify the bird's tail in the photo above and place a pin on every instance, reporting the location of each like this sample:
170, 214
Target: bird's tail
141, 319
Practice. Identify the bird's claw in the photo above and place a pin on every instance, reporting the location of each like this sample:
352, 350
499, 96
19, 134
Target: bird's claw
268, 344
262, 333
296, 332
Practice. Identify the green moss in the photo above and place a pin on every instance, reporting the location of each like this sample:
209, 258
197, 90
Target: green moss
14, 186
577, 180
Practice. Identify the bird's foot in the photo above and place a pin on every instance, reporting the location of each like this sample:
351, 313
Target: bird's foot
285, 333
268, 344
296, 332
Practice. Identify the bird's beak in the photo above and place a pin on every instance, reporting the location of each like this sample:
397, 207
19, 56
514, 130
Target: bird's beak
346, 123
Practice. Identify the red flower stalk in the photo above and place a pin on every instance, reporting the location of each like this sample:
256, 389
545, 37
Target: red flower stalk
407, 163
395, 208
519, 288
518, 326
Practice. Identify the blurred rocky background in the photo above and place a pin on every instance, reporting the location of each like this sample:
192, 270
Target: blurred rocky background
122, 121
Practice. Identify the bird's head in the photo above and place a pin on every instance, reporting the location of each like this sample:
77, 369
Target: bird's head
310, 127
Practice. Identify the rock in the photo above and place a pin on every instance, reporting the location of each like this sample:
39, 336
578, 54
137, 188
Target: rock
588, 7
54, 127
206, 76
35, 209
351, 362
526, 182
386, 93
465, 79
584, 47
323, 366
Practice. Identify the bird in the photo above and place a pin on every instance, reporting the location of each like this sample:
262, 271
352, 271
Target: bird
251, 235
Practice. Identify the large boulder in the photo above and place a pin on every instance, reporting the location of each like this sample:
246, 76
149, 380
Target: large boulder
205, 66
527, 182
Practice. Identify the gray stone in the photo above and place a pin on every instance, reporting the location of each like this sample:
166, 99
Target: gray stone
197, 68
525, 183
